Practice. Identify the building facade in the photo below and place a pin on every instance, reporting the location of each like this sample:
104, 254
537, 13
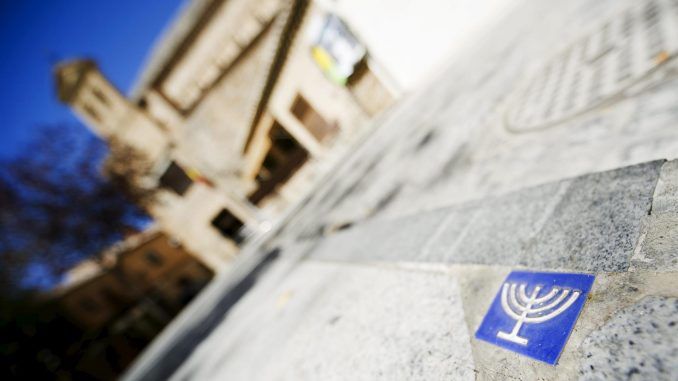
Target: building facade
121, 301
232, 116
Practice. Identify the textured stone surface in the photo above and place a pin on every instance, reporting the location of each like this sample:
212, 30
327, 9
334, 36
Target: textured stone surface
638, 343
612, 293
331, 322
497, 230
658, 246
590, 223
412, 321
382, 240
596, 225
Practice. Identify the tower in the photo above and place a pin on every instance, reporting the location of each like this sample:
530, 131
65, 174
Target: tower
81, 85
105, 110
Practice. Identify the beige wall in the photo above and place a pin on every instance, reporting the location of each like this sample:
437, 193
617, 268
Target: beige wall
162, 112
104, 116
185, 217
369, 92
335, 103
302, 75
235, 24
188, 218
210, 138
111, 116
216, 84
214, 133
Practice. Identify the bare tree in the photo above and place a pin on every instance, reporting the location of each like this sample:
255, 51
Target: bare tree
126, 168
57, 207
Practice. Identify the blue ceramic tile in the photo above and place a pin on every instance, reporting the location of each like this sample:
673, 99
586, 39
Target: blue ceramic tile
533, 313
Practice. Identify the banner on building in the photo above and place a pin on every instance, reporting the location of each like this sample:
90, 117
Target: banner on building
334, 48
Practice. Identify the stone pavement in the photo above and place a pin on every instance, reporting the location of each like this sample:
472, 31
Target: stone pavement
386, 269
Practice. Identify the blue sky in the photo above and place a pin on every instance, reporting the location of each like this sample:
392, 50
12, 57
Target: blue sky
34, 34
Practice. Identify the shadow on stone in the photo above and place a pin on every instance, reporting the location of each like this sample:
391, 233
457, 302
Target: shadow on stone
166, 364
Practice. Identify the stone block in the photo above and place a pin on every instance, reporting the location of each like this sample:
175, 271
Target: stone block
639, 342
589, 223
596, 225
341, 322
658, 244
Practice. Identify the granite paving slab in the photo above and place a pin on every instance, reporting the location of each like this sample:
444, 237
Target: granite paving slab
340, 322
658, 244
590, 223
612, 352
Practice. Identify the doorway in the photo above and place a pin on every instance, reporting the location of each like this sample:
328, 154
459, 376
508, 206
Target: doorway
282, 161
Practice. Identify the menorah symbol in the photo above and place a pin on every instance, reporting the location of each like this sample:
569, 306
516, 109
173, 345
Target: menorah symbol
532, 309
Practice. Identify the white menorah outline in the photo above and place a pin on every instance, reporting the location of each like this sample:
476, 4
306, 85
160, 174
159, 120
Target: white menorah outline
532, 309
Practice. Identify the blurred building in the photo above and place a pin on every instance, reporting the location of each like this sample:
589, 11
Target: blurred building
121, 301
238, 107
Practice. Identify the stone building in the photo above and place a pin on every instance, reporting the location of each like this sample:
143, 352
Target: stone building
121, 301
233, 115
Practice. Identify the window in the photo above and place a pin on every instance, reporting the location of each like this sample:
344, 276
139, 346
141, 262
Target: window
100, 96
228, 225
309, 117
175, 179
153, 258
92, 113
283, 159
